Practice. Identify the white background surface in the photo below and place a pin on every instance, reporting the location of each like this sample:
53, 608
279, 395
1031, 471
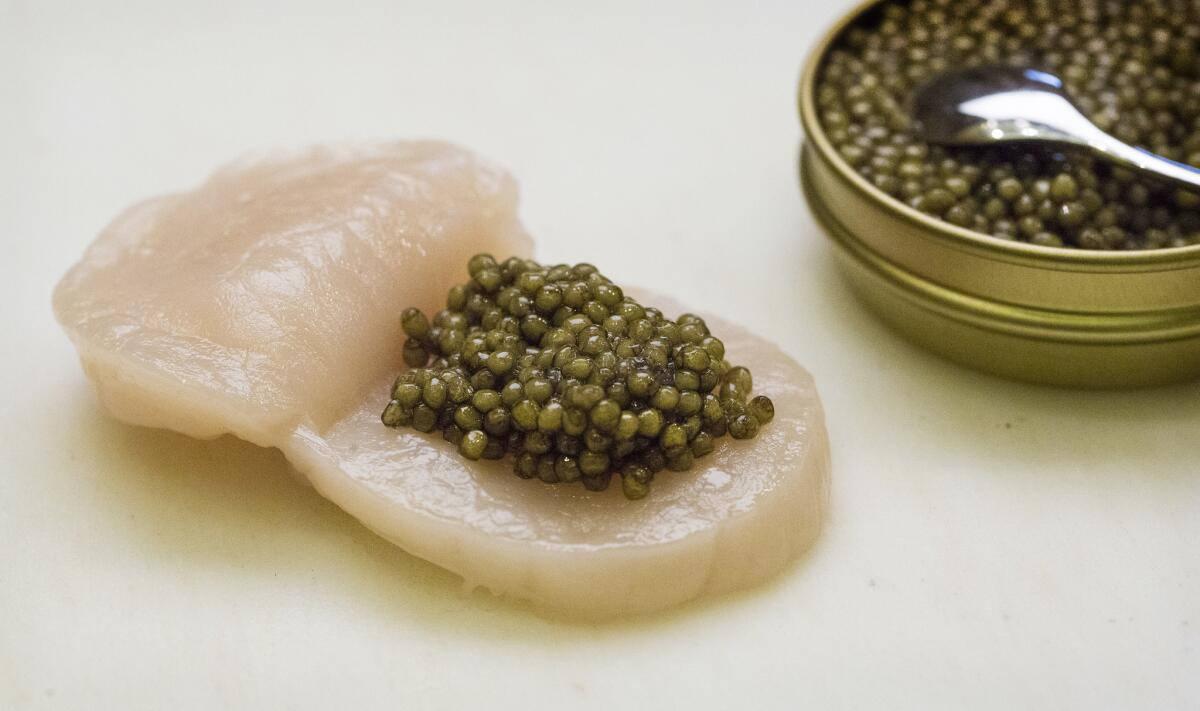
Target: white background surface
991, 545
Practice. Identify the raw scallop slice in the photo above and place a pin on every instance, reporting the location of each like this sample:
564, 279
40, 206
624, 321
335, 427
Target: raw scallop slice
738, 517
269, 296
265, 304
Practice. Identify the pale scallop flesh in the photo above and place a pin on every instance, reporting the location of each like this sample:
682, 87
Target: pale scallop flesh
265, 304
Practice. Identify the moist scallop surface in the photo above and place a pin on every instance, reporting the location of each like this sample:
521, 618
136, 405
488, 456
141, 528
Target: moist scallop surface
1132, 67
266, 303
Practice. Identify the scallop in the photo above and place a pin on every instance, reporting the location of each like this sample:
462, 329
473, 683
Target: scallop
265, 304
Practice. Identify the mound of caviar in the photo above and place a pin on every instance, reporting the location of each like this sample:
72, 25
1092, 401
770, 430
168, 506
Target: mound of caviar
556, 367
1132, 67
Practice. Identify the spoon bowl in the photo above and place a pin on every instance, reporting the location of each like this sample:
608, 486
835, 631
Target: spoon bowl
990, 105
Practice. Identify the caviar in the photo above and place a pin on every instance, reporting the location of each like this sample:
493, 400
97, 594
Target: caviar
557, 367
1132, 67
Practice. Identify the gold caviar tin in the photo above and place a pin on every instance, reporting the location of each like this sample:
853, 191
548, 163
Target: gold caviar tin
1068, 317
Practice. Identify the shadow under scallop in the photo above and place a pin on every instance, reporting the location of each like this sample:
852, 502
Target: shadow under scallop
229, 503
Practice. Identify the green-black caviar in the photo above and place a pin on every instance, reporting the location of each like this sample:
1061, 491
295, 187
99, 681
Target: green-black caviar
557, 367
1132, 67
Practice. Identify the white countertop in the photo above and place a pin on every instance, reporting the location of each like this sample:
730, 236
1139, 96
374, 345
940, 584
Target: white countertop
991, 545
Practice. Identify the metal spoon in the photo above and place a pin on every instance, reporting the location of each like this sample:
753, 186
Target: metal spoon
989, 105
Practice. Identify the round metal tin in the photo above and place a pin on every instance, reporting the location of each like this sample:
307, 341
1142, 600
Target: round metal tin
1068, 317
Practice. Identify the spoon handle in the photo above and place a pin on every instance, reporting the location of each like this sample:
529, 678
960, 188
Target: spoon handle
1139, 159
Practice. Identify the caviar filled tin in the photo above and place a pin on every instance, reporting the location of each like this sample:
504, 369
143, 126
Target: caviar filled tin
1058, 315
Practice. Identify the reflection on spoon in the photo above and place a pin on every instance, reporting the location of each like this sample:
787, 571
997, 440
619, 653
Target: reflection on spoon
995, 104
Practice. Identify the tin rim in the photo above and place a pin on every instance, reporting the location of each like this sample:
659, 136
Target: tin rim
1046, 325
1167, 258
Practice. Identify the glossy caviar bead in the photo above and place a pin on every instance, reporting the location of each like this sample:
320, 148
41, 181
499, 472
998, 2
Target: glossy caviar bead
743, 427
634, 488
702, 444
414, 323
396, 415
423, 418
408, 394
468, 418
762, 409
414, 353
567, 469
